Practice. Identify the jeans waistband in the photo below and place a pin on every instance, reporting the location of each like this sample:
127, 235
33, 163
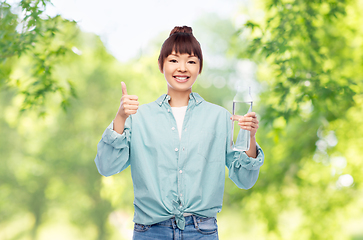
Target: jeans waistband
189, 220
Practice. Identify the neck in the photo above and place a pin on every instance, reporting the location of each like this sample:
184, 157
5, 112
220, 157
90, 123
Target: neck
178, 99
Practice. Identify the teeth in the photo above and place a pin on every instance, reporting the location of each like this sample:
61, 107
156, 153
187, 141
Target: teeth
181, 78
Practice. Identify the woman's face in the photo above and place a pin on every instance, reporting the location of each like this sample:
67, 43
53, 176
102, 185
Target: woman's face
181, 71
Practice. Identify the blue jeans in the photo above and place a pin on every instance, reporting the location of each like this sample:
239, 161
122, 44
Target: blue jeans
195, 228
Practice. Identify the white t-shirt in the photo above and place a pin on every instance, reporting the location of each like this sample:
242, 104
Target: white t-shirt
179, 114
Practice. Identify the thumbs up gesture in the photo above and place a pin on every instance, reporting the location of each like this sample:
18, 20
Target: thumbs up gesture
129, 103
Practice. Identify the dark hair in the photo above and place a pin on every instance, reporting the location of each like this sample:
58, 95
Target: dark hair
181, 40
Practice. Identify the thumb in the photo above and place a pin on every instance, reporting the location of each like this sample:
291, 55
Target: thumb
124, 91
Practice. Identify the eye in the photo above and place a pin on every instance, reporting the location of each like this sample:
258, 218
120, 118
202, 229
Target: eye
192, 62
173, 61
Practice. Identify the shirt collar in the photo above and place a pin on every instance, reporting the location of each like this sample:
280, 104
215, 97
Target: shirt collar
196, 97
162, 98
193, 96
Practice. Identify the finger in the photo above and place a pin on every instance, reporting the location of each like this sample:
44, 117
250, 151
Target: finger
133, 97
131, 107
236, 117
124, 90
250, 114
127, 101
130, 112
245, 120
248, 119
133, 102
249, 128
247, 124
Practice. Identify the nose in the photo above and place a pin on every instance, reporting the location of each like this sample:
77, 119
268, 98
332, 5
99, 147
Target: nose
182, 67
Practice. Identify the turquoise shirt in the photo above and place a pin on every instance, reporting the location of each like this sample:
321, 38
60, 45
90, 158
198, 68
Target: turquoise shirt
173, 176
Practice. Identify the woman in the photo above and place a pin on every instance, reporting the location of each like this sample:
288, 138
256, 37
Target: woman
178, 147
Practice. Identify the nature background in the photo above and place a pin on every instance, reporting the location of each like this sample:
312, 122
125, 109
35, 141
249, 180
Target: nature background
60, 88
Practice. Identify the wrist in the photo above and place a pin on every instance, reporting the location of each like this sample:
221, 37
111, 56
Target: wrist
120, 118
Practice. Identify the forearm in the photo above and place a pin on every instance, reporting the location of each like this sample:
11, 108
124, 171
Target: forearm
252, 151
119, 124
109, 160
244, 170
112, 152
243, 178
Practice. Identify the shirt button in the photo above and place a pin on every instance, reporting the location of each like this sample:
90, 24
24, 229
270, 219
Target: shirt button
173, 128
183, 148
168, 110
176, 149
181, 194
180, 171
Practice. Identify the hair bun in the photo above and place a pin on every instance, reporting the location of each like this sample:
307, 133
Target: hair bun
183, 29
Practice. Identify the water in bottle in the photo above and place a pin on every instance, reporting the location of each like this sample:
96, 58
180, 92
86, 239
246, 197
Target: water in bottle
242, 104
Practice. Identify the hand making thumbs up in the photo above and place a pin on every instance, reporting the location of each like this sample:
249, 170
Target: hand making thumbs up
129, 103
128, 106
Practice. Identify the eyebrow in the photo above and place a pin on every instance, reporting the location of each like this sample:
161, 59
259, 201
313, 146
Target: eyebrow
177, 55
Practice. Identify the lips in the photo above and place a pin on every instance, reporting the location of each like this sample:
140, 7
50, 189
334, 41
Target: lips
181, 79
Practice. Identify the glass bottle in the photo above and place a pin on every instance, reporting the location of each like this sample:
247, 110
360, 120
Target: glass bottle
242, 104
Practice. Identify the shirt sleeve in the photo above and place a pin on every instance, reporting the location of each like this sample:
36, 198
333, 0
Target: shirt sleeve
243, 170
113, 150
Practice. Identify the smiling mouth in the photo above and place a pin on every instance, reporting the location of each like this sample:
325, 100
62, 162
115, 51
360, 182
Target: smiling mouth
181, 79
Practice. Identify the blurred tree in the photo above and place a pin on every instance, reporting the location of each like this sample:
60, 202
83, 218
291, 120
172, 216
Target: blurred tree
313, 50
48, 174
310, 58
47, 171
25, 29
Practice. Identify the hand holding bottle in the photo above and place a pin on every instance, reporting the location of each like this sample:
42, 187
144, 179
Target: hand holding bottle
247, 122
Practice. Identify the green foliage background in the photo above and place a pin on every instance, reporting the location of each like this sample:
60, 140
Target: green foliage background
60, 88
